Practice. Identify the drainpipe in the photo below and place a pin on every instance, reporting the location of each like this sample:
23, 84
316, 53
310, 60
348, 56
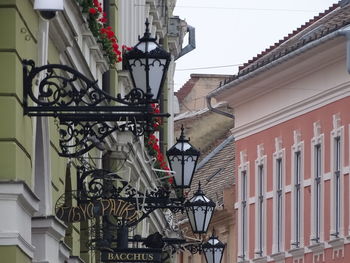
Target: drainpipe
340, 32
191, 42
211, 108
346, 32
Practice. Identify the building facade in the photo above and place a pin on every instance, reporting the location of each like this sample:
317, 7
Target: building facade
34, 176
292, 145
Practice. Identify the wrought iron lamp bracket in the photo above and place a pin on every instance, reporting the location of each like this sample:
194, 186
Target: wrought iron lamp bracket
86, 113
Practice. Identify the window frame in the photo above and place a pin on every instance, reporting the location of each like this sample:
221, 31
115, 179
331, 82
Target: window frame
297, 173
337, 182
317, 185
243, 213
278, 200
260, 207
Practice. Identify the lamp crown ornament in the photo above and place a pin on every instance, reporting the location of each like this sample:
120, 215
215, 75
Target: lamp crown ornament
147, 34
182, 135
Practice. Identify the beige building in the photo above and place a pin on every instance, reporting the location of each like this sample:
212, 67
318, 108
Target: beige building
191, 96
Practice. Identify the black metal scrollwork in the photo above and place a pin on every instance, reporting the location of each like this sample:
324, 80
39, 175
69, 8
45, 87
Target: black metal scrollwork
87, 114
104, 193
63, 88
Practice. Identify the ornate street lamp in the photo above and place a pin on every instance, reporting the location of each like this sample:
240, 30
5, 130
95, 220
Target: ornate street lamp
87, 115
183, 159
213, 249
200, 210
148, 64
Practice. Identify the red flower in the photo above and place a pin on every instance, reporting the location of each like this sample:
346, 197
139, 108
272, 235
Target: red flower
103, 20
110, 34
96, 3
171, 180
99, 9
104, 14
92, 11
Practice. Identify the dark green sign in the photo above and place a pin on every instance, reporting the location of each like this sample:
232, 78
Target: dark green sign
132, 255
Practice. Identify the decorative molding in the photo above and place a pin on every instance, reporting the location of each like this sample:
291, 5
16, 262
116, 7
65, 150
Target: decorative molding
317, 247
47, 233
20, 204
312, 103
297, 252
260, 260
16, 239
336, 242
49, 225
278, 257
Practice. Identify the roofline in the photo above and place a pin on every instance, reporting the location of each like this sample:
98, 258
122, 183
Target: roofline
340, 32
215, 151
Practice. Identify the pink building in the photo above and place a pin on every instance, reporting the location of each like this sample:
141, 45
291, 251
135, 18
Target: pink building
292, 122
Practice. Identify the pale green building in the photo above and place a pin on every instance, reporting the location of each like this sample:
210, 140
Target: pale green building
33, 175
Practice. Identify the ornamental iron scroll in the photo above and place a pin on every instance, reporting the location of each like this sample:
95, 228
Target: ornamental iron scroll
104, 193
86, 114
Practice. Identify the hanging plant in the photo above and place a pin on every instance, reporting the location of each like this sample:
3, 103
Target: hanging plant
153, 149
97, 20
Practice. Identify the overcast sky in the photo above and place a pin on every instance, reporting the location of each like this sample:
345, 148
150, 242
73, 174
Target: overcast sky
230, 32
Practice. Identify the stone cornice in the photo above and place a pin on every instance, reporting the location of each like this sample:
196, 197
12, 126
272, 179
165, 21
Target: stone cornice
295, 110
48, 225
19, 191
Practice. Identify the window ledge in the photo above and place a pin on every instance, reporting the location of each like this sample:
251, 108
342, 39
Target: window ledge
240, 260
336, 242
260, 260
278, 256
297, 252
317, 247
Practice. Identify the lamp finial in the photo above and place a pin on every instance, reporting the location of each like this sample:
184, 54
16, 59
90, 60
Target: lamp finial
147, 34
182, 135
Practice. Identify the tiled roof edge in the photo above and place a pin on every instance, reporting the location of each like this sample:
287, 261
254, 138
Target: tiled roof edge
215, 151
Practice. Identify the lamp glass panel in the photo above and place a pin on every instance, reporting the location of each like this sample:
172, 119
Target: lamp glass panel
217, 255
156, 70
207, 219
190, 161
176, 165
200, 217
191, 218
151, 46
139, 72
209, 256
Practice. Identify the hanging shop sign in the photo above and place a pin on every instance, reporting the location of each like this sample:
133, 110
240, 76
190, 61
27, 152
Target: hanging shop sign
102, 207
132, 255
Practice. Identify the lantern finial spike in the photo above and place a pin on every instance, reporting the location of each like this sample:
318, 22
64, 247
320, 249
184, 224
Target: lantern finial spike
147, 34
182, 135
213, 232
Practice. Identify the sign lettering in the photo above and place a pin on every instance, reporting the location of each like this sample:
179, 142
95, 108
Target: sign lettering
86, 211
135, 255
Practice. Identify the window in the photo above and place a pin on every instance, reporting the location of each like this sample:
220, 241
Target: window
260, 211
297, 198
244, 215
336, 184
317, 192
279, 204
